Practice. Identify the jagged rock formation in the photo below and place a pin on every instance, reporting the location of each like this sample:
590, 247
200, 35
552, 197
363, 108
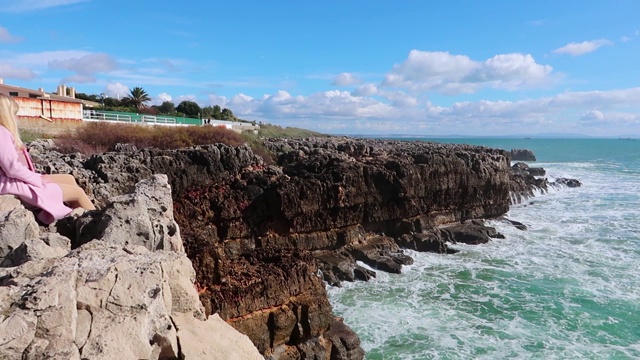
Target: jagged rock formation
572, 183
524, 182
112, 297
521, 167
263, 238
522, 155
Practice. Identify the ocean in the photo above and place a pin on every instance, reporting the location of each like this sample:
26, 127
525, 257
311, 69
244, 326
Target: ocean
566, 288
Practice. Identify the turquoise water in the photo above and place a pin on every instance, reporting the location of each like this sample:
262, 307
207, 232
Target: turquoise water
567, 288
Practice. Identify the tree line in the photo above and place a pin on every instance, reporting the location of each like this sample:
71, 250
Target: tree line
135, 102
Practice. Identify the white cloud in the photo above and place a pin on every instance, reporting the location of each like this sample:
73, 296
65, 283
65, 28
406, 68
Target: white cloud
455, 74
31, 5
116, 90
366, 90
6, 37
328, 104
217, 100
182, 98
585, 47
132, 76
8, 71
625, 39
346, 79
603, 119
593, 115
85, 66
397, 98
396, 112
42, 59
162, 97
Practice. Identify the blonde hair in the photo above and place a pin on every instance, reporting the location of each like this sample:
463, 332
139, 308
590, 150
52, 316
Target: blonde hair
9, 118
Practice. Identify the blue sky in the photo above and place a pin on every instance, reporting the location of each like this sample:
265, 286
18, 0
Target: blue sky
347, 67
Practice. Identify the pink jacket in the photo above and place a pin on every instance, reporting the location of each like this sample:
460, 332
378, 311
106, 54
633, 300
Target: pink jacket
21, 180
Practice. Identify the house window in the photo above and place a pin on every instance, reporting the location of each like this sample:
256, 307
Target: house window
13, 93
34, 96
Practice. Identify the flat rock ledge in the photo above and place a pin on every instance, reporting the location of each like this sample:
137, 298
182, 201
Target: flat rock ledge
127, 293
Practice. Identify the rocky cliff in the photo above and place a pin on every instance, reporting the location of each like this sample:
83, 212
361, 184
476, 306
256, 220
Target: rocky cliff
117, 296
263, 239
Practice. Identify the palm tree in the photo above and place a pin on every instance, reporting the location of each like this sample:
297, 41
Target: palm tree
137, 97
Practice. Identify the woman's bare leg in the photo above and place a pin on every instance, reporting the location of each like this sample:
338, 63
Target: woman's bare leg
71, 192
62, 179
75, 196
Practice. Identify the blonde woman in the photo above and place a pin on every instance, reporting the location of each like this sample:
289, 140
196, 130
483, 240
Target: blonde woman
18, 177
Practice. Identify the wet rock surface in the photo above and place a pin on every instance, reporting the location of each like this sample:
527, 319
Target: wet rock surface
264, 239
572, 183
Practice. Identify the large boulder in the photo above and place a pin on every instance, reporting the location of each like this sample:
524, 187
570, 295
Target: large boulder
143, 217
212, 339
104, 301
522, 155
17, 225
47, 247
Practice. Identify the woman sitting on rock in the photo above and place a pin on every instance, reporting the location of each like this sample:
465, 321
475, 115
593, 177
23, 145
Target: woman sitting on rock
18, 176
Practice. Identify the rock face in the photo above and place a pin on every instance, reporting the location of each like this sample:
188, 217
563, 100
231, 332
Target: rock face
106, 299
524, 183
143, 217
264, 239
522, 155
572, 183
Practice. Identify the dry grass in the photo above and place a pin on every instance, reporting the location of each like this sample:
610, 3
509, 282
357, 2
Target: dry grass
95, 138
27, 135
104, 136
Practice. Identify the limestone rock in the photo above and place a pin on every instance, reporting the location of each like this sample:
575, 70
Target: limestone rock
144, 217
213, 339
102, 301
9, 202
34, 249
16, 226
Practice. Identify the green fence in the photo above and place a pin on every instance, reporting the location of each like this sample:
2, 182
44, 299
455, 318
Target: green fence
122, 116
